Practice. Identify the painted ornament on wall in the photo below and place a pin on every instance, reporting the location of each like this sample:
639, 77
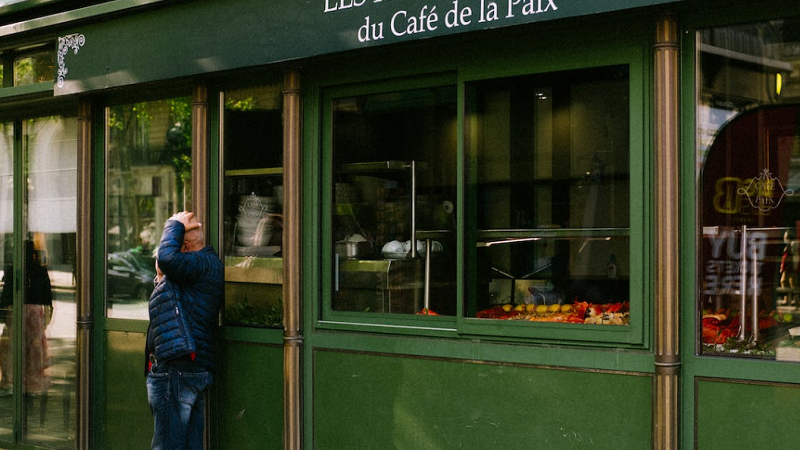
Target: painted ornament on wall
65, 43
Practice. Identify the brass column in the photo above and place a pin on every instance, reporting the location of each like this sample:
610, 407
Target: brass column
666, 132
83, 285
292, 306
199, 199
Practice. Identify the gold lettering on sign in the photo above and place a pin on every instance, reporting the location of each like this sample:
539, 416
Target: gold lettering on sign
764, 192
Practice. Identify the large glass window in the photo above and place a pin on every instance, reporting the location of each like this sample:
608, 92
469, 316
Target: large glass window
37, 345
148, 179
252, 145
529, 220
393, 191
748, 171
548, 189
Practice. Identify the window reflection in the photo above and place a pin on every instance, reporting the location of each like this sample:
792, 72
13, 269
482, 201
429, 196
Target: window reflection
7, 255
549, 181
148, 179
39, 319
36, 68
253, 205
748, 168
393, 224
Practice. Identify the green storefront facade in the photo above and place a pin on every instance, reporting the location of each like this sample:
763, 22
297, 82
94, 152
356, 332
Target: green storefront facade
445, 224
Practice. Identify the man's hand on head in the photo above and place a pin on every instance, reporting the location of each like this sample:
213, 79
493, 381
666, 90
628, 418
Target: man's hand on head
187, 219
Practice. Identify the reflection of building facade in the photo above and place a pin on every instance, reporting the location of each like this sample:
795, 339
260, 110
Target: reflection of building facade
468, 224
138, 200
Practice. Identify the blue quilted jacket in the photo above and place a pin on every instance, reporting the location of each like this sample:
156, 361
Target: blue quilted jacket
169, 334
184, 308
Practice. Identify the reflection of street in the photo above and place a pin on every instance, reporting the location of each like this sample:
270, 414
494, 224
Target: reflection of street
62, 325
136, 310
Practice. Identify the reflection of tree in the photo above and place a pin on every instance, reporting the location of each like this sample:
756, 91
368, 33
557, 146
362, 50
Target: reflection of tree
243, 104
150, 133
37, 68
145, 139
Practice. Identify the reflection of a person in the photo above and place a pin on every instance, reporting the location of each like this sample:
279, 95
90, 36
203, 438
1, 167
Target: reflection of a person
37, 309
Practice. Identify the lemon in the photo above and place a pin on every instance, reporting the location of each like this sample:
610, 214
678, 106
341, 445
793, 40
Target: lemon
541, 309
554, 308
520, 307
566, 308
531, 307
507, 307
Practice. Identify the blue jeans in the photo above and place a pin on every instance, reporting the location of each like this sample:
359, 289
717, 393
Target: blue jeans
176, 401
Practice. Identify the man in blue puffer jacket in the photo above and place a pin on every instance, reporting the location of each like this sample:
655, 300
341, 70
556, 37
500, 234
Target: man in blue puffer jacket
184, 309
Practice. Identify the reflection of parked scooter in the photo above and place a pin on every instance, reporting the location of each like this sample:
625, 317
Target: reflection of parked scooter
128, 277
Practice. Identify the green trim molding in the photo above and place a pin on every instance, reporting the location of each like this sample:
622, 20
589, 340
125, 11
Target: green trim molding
169, 40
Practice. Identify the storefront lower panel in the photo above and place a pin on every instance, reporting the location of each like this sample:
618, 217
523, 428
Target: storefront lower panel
412, 402
735, 414
129, 424
250, 382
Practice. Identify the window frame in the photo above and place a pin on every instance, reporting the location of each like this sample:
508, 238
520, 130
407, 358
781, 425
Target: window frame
633, 335
103, 142
328, 317
639, 224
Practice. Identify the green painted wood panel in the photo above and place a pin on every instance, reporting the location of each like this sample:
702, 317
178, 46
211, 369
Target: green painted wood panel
368, 401
745, 415
128, 421
250, 392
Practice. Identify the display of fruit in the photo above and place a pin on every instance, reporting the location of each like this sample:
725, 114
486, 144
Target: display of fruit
578, 312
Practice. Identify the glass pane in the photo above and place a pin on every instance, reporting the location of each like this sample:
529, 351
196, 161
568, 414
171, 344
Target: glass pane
549, 182
148, 179
7, 297
49, 308
748, 169
33, 69
253, 202
394, 162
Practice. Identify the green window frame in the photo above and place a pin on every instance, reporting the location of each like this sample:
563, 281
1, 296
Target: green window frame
633, 334
330, 317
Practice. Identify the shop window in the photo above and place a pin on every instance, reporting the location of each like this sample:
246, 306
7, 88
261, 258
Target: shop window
34, 68
533, 239
252, 206
748, 207
38, 164
148, 176
548, 192
393, 194
24, 66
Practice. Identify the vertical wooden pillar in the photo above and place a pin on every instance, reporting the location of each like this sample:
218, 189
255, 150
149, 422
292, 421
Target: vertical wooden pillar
199, 203
667, 134
83, 276
292, 305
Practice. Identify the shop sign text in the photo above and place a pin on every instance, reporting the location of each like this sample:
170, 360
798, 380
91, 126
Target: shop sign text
430, 17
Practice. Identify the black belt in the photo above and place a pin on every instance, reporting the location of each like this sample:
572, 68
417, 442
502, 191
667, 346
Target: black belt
183, 363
